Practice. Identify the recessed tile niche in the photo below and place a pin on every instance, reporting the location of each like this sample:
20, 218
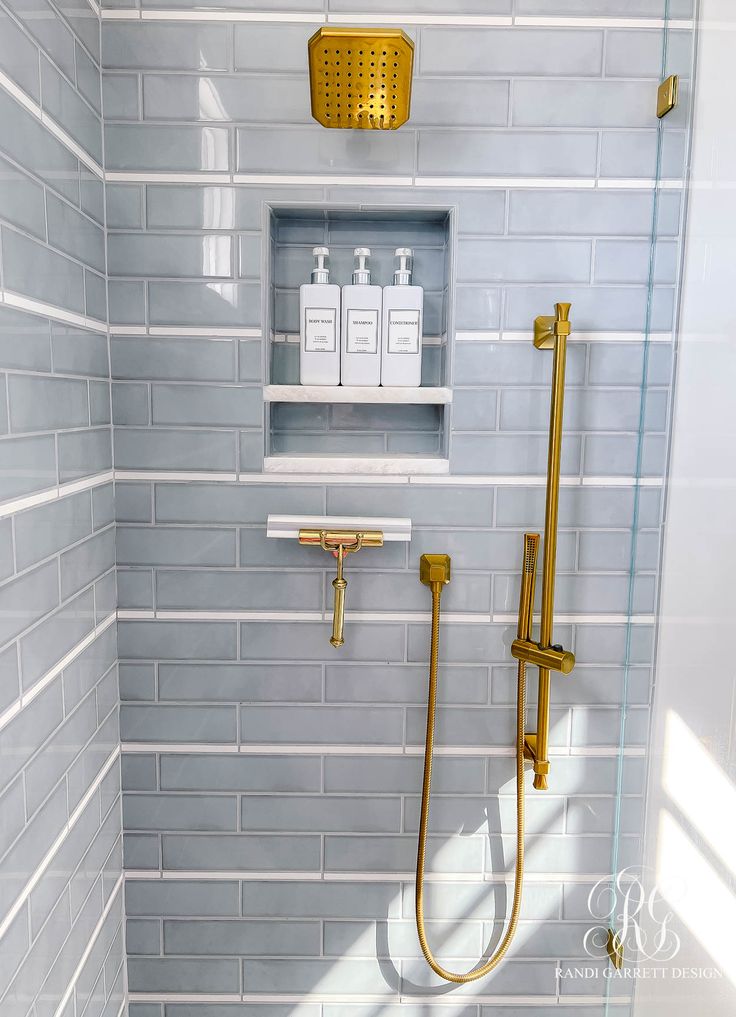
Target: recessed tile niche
383, 430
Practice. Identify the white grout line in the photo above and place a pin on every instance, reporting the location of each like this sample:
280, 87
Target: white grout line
577, 337
184, 332
9, 508
128, 330
30, 694
289, 876
50, 124
90, 946
406, 18
477, 20
49, 856
450, 480
312, 749
51, 311
480, 335
544, 21
585, 183
176, 476
183, 997
271, 616
393, 999
322, 180
139, 177
623, 482
455, 182
190, 15
380, 617
215, 333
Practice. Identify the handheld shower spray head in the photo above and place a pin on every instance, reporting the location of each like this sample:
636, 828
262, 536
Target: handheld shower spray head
528, 583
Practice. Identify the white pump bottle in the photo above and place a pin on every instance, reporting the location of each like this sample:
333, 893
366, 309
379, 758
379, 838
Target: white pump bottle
361, 326
401, 357
319, 326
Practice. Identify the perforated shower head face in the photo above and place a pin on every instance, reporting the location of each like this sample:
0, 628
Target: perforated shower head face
361, 77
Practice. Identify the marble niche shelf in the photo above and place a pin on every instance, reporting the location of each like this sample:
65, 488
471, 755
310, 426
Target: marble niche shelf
428, 394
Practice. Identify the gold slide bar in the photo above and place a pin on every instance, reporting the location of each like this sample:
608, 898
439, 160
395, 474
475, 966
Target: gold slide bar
549, 333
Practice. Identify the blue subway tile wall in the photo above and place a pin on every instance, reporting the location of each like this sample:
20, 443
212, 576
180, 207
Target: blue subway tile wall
61, 904
271, 789
271, 786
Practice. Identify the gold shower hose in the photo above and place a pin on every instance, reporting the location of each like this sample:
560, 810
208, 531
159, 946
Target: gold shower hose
497, 957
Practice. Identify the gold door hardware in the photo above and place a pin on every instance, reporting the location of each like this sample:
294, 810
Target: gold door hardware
549, 333
667, 95
434, 571
615, 949
340, 543
360, 77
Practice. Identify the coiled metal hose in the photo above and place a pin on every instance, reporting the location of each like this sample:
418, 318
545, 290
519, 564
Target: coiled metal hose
482, 969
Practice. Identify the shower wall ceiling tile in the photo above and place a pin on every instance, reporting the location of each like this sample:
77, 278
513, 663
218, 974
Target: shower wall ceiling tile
271, 151
39, 272
166, 147
273, 47
70, 110
84, 453
180, 724
21, 200
252, 99
126, 302
161, 47
506, 51
507, 154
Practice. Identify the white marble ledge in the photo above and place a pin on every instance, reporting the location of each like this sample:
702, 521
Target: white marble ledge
370, 466
355, 394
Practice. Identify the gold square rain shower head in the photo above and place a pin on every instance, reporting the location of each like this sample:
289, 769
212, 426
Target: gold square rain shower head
361, 77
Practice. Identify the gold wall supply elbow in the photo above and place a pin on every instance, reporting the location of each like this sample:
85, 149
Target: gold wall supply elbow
550, 332
340, 543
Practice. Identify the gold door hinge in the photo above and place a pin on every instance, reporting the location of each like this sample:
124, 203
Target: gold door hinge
667, 95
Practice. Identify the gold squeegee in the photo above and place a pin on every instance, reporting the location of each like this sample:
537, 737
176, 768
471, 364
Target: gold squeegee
361, 77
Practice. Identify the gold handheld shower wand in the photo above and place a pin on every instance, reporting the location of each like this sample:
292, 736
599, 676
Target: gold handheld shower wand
549, 333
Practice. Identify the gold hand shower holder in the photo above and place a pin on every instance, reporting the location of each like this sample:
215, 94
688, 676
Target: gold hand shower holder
340, 543
550, 332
